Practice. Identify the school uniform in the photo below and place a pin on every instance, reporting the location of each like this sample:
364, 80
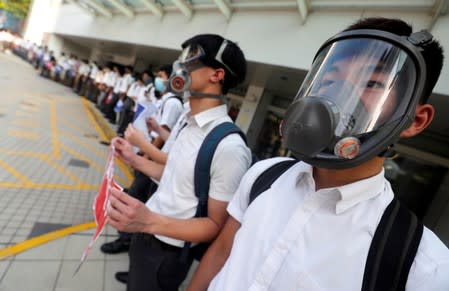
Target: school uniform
293, 237
155, 261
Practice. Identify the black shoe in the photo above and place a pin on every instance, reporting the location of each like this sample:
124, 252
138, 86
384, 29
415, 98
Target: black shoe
122, 277
115, 247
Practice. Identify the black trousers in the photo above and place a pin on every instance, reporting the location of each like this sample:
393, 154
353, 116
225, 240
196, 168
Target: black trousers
126, 115
154, 265
142, 187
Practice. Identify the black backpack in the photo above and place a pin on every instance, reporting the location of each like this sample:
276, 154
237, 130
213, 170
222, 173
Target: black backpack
394, 244
202, 178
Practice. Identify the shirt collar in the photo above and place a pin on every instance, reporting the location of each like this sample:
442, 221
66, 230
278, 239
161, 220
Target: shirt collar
166, 96
209, 115
349, 194
357, 192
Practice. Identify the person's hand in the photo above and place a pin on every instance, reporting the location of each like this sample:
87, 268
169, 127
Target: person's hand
152, 125
135, 136
128, 214
124, 150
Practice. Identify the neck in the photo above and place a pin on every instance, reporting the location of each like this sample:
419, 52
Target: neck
327, 178
198, 104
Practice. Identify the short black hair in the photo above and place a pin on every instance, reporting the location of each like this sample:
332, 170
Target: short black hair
121, 69
149, 73
137, 75
165, 68
232, 57
432, 52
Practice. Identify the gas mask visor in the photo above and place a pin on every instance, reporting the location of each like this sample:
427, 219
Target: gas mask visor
188, 61
358, 96
193, 57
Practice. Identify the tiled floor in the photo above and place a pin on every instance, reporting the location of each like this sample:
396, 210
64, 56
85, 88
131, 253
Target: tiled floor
51, 163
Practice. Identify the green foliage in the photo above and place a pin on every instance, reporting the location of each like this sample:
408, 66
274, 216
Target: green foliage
18, 8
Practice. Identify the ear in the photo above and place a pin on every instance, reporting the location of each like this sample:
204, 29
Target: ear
424, 114
218, 75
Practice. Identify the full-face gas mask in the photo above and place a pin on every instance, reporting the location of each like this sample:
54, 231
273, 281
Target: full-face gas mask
193, 57
359, 95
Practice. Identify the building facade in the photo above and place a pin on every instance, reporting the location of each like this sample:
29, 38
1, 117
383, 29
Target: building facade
279, 38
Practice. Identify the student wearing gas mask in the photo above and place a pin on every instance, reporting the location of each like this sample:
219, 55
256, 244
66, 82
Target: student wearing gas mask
207, 68
169, 109
328, 219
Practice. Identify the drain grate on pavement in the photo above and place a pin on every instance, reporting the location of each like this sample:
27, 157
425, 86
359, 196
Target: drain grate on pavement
40, 228
27, 103
79, 163
91, 135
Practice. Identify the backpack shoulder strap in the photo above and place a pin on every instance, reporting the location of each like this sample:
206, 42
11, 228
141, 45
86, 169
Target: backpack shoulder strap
204, 160
264, 181
201, 174
171, 97
392, 249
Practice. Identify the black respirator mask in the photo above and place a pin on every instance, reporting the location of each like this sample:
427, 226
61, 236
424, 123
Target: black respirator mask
193, 57
359, 95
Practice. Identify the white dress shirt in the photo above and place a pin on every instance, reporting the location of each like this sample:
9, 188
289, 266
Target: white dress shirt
133, 90
175, 196
181, 123
295, 238
169, 111
110, 79
118, 86
127, 81
93, 71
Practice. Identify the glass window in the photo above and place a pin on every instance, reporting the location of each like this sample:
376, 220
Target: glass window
414, 182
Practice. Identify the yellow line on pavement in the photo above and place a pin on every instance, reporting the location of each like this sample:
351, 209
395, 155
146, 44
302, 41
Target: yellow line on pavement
16, 185
23, 134
92, 119
39, 240
61, 169
21, 113
26, 123
54, 130
24, 154
87, 146
104, 136
82, 158
125, 170
15, 173
11, 185
70, 125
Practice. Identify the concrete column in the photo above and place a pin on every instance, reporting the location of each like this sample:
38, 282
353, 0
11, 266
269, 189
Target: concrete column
249, 106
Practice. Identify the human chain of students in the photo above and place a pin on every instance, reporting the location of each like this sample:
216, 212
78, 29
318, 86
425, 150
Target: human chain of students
325, 218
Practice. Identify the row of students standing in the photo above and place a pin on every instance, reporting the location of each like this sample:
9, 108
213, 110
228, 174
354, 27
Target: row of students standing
164, 182
314, 225
297, 235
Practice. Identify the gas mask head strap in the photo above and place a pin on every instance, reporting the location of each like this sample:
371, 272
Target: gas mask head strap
218, 56
420, 38
206, 95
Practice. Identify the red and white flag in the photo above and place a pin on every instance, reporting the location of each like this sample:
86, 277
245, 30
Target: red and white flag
101, 202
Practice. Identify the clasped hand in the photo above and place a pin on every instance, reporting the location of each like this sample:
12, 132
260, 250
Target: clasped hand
124, 150
128, 214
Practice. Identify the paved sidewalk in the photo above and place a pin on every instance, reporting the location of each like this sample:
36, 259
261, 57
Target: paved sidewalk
51, 163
